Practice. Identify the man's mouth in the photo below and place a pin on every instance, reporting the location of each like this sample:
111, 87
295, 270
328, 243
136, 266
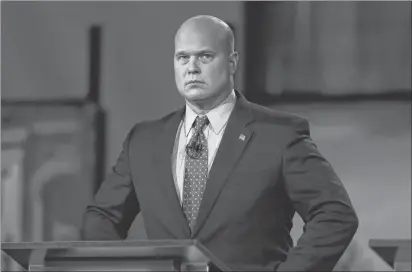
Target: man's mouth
195, 82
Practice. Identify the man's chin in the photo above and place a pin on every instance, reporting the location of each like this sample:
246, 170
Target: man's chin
195, 93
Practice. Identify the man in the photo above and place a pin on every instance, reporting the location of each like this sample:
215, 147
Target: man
225, 171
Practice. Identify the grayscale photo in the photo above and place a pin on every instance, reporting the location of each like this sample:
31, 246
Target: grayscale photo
206, 136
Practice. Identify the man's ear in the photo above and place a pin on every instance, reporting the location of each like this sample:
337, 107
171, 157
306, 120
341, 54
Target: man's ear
233, 60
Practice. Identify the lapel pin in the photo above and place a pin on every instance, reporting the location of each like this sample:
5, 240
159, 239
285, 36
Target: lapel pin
242, 137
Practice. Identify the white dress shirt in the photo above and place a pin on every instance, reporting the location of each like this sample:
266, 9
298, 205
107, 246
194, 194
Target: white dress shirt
213, 132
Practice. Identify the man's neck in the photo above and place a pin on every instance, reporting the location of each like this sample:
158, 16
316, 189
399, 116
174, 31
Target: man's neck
203, 108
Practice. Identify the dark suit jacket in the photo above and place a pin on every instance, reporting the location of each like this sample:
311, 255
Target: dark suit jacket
254, 188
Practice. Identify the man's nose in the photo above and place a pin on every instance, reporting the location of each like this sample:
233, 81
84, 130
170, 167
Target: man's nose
193, 66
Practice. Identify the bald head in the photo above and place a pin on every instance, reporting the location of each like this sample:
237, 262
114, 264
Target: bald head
210, 28
204, 61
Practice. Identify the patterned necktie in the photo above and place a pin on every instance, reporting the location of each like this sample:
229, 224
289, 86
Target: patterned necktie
196, 171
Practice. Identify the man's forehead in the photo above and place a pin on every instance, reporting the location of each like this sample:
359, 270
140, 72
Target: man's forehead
203, 35
197, 40
201, 25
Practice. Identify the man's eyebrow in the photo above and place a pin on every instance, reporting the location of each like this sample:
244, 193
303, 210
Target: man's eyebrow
207, 51
200, 52
181, 52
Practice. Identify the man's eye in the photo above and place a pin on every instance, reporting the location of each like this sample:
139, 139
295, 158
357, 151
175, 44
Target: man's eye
206, 57
183, 58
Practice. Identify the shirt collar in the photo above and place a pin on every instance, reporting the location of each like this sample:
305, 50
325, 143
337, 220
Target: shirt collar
217, 116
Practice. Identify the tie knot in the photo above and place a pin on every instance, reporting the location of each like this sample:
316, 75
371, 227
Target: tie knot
200, 122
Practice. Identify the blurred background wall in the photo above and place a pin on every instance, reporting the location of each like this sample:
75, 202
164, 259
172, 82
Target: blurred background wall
344, 65
334, 48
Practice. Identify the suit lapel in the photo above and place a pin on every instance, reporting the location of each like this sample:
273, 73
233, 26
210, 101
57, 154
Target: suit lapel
232, 145
163, 168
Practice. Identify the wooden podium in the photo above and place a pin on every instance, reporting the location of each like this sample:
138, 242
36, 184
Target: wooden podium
145, 255
397, 253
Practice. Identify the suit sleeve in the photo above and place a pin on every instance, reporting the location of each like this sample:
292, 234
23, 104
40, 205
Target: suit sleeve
321, 200
115, 205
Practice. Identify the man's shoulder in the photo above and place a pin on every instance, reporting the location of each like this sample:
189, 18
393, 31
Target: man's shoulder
269, 115
153, 125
